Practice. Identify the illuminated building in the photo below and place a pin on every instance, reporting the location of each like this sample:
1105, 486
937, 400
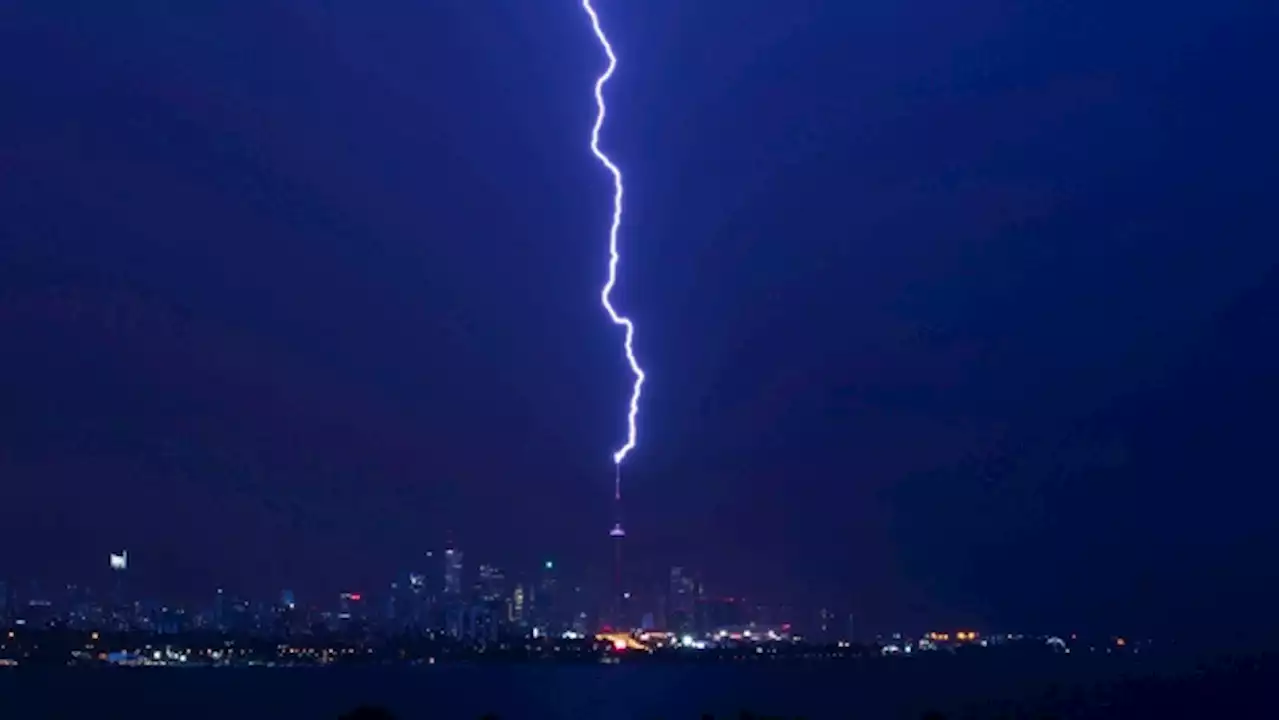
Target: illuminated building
220, 610
826, 626
119, 564
350, 605
453, 606
517, 605
490, 583
545, 608
681, 594
410, 601
431, 579
452, 572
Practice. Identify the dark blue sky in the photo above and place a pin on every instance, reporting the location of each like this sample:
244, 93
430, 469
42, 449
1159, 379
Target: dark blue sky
952, 312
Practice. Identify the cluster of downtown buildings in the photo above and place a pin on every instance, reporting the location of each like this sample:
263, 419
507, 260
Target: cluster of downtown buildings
445, 598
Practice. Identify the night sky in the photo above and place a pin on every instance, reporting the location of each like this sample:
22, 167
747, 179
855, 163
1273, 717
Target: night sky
952, 312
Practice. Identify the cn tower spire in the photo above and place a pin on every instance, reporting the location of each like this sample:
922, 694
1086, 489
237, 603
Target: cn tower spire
617, 503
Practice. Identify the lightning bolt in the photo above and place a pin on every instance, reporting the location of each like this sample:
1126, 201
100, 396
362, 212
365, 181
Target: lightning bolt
621, 453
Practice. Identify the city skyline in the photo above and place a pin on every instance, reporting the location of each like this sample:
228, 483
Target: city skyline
441, 573
442, 594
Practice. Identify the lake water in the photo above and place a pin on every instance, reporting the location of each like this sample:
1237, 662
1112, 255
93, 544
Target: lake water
890, 688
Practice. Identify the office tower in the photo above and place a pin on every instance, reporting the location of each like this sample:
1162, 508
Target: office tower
422, 599
351, 606
220, 610
517, 615
119, 564
681, 595
452, 572
408, 605
547, 611
432, 578
452, 605
490, 583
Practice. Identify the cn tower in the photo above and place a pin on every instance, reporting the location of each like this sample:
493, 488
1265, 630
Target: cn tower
617, 534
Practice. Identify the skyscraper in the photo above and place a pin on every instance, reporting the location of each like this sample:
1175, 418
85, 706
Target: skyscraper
517, 614
490, 583
431, 582
220, 610
119, 564
452, 572
681, 595
453, 606
547, 611
415, 604
351, 606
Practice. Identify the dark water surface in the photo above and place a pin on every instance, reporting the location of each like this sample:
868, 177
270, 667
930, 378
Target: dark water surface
891, 688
